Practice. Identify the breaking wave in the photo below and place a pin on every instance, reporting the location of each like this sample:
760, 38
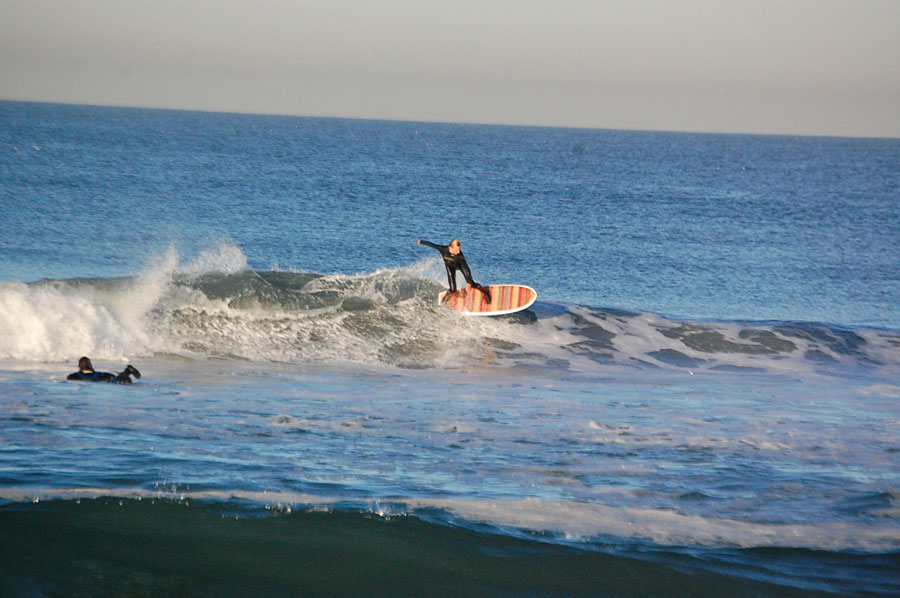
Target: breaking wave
218, 307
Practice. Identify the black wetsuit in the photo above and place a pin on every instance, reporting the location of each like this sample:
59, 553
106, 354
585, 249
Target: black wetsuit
121, 378
453, 263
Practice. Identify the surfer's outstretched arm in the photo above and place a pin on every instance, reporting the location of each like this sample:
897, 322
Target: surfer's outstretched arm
449, 262
441, 248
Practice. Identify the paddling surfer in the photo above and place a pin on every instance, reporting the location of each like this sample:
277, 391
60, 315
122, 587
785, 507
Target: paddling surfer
86, 372
454, 261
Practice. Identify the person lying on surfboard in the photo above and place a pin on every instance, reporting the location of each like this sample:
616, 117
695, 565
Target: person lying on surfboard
455, 260
86, 372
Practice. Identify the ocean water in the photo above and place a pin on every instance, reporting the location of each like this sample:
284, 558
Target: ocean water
704, 401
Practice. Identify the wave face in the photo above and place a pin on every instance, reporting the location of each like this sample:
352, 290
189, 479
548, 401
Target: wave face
111, 546
216, 307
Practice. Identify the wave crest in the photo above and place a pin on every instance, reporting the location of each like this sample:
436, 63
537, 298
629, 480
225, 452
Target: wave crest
216, 306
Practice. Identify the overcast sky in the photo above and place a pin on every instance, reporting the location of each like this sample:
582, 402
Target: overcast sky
822, 67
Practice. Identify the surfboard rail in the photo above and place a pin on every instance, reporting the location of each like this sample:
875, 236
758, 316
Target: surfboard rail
505, 299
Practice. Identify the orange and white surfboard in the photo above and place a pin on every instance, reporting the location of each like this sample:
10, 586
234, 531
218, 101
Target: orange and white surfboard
505, 299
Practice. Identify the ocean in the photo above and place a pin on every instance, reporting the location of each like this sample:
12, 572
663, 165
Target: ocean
703, 401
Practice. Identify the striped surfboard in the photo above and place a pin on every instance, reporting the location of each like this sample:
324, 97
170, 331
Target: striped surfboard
505, 299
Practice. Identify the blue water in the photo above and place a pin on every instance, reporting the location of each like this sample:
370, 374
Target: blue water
703, 401
703, 226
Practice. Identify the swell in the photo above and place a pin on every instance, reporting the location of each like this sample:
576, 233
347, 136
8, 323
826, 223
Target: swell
390, 317
116, 546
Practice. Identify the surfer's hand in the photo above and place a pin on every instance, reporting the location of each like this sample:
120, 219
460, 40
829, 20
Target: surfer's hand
419, 242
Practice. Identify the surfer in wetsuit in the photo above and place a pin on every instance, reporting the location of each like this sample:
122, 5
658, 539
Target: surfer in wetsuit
86, 372
454, 260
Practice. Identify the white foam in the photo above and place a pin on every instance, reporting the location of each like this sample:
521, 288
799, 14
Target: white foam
890, 391
640, 337
43, 323
225, 258
665, 527
59, 321
576, 521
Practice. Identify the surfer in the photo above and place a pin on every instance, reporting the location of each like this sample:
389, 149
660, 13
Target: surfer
455, 260
86, 372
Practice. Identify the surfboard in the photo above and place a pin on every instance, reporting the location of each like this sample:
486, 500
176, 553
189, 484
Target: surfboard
505, 299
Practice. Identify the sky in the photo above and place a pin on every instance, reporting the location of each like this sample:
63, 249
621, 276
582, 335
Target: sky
807, 67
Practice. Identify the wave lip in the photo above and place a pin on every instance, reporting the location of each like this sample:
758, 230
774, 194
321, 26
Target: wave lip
58, 320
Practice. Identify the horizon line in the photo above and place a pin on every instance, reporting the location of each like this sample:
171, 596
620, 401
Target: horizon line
280, 114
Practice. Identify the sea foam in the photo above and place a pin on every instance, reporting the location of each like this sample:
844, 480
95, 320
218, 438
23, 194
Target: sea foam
215, 305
